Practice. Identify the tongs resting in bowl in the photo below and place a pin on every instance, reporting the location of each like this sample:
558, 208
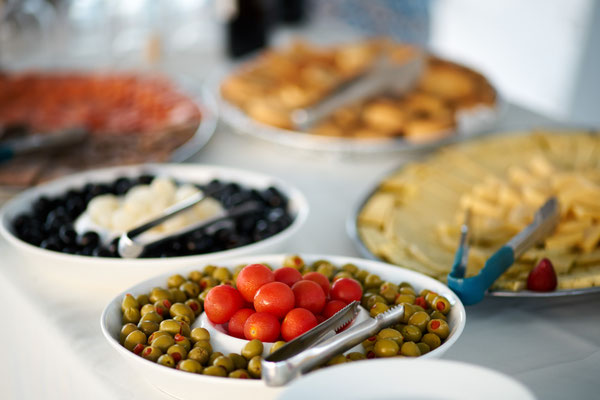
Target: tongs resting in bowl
471, 290
321, 343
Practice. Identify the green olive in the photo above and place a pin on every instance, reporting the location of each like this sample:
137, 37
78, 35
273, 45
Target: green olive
293, 261
126, 330
356, 356
202, 295
163, 342
134, 338
411, 333
224, 362
409, 310
183, 318
375, 299
151, 353
148, 327
129, 302
183, 341
157, 334
199, 354
174, 281
182, 309
410, 349
420, 320
406, 289
377, 309
175, 327
209, 269
142, 299
194, 276
162, 307
204, 344
392, 334
254, 366
239, 374
152, 316
132, 315
369, 342
178, 352
342, 274
214, 356
195, 305
423, 347
208, 282
326, 269
439, 327
432, 340
239, 362
178, 295
147, 308
386, 348
157, 294
441, 304
353, 269
372, 281
221, 274
339, 359
276, 346
430, 297
361, 275
190, 288
435, 314
166, 360
199, 334
214, 370
190, 366
405, 298
388, 291
252, 349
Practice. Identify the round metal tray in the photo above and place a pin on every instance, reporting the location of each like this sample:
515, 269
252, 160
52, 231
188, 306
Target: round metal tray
352, 231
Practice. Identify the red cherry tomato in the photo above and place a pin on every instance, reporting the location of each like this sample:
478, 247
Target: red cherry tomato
262, 326
332, 307
296, 322
251, 278
237, 321
320, 279
309, 295
221, 303
275, 298
287, 275
346, 290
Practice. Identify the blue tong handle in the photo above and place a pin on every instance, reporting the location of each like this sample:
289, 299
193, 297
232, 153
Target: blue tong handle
471, 290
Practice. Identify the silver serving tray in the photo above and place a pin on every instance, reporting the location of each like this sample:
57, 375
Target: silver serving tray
352, 231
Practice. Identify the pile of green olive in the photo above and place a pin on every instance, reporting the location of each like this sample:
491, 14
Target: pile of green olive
156, 326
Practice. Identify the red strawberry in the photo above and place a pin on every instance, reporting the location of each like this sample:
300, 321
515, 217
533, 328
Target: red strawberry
542, 278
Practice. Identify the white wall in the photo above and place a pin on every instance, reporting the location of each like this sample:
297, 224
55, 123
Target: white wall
533, 50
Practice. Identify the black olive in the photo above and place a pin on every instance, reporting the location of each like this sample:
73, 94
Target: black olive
89, 238
75, 206
67, 235
145, 179
122, 186
42, 206
51, 243
101, 252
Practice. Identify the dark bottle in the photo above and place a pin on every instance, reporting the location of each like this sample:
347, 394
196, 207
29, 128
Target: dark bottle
247, 28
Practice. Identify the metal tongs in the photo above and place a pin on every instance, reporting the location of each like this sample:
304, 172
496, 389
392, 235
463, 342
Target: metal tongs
128, 247
471, 290
321, 343
384, 75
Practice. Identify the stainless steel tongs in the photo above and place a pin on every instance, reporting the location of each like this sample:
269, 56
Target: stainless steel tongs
321, 343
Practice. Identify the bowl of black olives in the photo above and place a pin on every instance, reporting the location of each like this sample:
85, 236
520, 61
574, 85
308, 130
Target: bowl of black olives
69, 228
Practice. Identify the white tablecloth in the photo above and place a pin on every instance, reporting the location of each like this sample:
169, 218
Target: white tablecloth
53, 348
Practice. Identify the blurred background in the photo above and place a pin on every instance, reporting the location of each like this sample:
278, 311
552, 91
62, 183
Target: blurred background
541, 54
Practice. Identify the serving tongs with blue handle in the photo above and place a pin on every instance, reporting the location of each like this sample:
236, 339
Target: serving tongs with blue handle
40, 142
323, 342
471, 290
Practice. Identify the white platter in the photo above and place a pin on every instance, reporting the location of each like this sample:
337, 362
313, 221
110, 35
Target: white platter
117, 273
183, 385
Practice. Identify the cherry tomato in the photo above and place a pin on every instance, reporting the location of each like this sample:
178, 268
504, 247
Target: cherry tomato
275, 298
309, 295
221, 303
320, 279
346, 290
332, 307
251, 278
262, 326
287, 275
320, 318
237, 321
296, 322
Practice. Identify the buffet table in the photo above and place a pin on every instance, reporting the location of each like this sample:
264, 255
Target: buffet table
54, 347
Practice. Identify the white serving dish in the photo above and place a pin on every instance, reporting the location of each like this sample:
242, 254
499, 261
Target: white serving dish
183, 385
100, 273
421, 379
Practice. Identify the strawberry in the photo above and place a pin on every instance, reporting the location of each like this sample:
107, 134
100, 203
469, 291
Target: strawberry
542, 278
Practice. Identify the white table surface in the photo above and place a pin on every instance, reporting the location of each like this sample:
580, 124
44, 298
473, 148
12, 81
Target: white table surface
53, 348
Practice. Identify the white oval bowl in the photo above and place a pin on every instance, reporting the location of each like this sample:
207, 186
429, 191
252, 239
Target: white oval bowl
184, 385
101, 273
